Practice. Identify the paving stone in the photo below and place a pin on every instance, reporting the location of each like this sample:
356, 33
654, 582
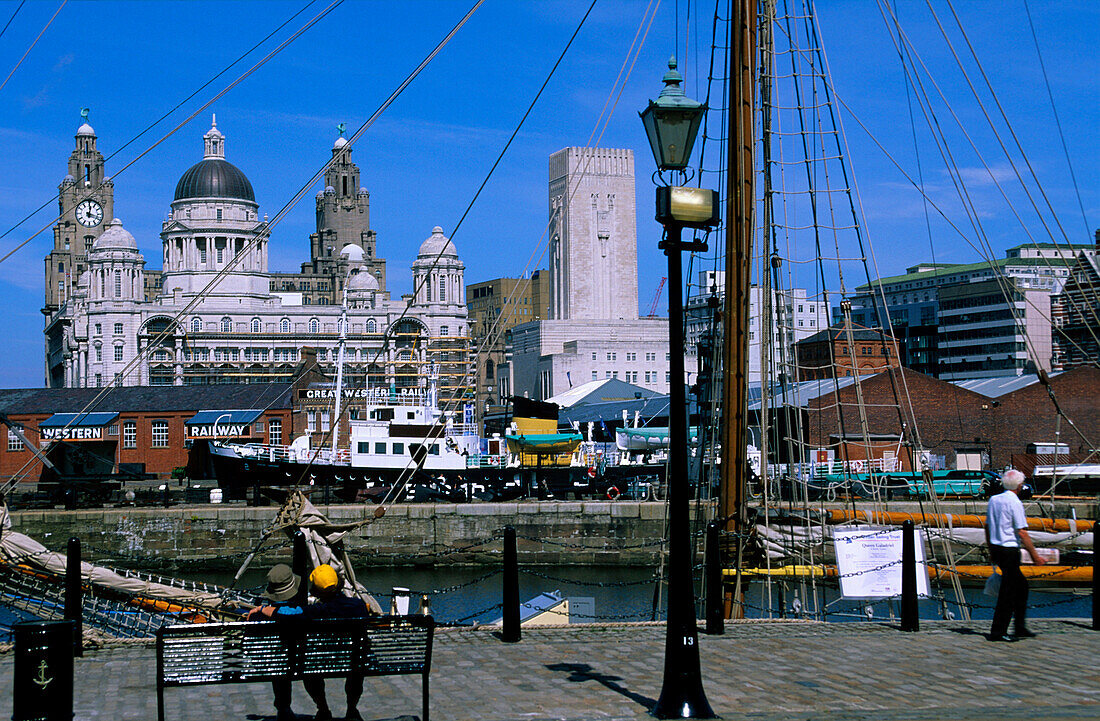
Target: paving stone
758, 671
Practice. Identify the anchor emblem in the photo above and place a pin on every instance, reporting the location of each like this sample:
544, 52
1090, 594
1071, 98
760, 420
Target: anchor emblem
41, 680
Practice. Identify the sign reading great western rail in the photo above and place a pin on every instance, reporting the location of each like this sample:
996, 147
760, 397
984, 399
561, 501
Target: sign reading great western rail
74, 433
869, 563
220, 430
371, 395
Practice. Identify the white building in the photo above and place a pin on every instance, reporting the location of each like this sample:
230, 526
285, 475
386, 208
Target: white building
217, 320
593, 331
797, 315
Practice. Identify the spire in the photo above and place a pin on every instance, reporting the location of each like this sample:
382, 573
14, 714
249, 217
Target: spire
213, 141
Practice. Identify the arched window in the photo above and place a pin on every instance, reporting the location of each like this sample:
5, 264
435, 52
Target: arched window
254, 326
314, 325
372, 327
227, 325
196, 325
284, 325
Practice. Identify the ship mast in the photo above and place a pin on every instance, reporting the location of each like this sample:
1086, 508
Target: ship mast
740, 206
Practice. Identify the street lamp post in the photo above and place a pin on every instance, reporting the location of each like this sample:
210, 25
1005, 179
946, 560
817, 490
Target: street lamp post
671, 123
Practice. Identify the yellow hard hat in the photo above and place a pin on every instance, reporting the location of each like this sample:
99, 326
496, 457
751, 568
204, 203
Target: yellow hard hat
324, 577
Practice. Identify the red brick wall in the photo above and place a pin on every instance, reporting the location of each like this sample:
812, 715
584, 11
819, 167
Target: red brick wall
160, 461
949, 417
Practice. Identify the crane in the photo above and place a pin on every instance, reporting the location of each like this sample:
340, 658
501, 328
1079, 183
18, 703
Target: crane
656, 299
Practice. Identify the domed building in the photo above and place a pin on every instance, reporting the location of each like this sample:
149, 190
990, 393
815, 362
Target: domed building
215, 313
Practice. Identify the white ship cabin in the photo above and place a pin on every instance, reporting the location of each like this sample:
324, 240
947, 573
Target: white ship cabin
393, 429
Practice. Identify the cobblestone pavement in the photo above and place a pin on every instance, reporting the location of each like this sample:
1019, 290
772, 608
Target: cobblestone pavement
766, 671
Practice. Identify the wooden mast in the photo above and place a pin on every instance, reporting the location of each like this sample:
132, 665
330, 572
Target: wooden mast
740, 205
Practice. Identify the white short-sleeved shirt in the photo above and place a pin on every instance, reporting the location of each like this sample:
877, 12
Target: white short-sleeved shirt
1003, 518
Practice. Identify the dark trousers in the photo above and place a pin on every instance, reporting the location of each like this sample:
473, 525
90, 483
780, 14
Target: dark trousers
315, 687
353, 689
1012, 599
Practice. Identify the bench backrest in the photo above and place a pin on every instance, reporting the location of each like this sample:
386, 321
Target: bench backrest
255, 651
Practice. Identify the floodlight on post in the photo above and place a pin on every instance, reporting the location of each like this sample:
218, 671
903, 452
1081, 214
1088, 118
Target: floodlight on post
672, 122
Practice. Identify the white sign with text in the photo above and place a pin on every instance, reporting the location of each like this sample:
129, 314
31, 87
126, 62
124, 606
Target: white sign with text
869, 563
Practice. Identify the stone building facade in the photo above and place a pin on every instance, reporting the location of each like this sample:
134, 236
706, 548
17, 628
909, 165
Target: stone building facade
593, 235
592, 330
217, 318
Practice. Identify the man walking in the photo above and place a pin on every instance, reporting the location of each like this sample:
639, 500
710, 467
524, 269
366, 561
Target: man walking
1005, 530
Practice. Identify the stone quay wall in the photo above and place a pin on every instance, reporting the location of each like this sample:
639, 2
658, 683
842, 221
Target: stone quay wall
220, 536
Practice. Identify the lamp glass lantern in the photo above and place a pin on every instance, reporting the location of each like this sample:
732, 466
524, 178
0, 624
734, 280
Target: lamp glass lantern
672, 122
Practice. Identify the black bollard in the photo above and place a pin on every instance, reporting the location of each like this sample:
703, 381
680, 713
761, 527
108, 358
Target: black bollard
511, 632
42, 685
1095, 580
301, 566
74, 595
909, 620
715, 587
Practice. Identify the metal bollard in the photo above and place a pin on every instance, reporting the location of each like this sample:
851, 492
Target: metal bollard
42, 687
510, 632
909, 620
1095, 579
74, 595
715, 589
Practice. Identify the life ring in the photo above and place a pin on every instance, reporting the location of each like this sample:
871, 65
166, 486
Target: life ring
591, 471
857, 466
613, 493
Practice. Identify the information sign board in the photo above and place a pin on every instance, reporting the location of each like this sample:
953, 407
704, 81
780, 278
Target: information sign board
869, 563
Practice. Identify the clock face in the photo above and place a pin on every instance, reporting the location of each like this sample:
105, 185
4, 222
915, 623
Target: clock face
89, 213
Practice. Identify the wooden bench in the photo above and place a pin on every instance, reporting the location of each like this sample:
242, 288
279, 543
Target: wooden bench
248, 652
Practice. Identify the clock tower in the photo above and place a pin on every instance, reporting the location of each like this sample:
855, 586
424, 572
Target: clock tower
86, 204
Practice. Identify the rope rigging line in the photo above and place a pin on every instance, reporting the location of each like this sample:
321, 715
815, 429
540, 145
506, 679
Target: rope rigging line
993, 176
985, 250
33, 43
1057, 119
153, 124
540, 248
263, 61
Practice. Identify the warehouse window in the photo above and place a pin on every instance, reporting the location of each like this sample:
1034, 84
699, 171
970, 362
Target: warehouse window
159, 434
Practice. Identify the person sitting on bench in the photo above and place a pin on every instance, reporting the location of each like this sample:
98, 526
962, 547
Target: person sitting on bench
325, 584
282, 590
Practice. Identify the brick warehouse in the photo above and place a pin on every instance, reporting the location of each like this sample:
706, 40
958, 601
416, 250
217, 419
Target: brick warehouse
149, 427
952, 420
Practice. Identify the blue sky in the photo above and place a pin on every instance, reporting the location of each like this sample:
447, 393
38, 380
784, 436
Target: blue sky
423, 160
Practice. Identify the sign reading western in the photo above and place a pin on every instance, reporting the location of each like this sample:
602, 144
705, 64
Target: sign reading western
73, 433
218, 430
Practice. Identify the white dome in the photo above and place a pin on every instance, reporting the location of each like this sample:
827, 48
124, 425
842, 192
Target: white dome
85, 129
363, 191
340, 142
353, 253
437, 244
115, 237
329, 190
363, 281
68, 179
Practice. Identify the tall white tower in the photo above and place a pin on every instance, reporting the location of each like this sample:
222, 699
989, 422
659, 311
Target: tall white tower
593, 235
